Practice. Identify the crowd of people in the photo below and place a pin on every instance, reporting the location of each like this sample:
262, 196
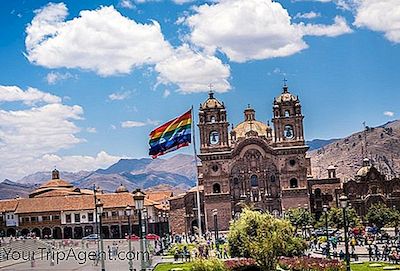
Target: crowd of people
205, 247
376, 246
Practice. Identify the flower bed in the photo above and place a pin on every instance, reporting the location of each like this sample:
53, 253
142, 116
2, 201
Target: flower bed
310, 264
241, 264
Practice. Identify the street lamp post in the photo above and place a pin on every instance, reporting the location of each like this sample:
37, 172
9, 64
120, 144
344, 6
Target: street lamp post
128, 211
215, 214
325, 208
344, 202
99, 208
138, 197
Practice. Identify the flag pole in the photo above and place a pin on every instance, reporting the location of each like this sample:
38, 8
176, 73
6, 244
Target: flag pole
197, 176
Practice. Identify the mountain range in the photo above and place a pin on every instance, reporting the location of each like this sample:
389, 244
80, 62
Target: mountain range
380, 144
178, 173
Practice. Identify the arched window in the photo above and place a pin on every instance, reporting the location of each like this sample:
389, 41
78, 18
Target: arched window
214, 137
288, 132
273, 178
294, 183
235, 181
216, 188
317, 193
287, 113
212, 119
254, 181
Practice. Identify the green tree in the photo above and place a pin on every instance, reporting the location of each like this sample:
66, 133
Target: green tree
335, 218
380, 215
264, 238
300, 217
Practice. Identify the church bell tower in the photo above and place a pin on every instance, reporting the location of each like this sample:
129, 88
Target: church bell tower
213, 126
288, 120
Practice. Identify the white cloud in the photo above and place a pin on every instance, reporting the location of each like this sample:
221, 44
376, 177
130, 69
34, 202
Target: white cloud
126, 4
119, 95
251, 29
308, 15
91, 130
341, 4
277, 71
30, 96
76, 163
53, 77
339, 27
166, 93
193, 71
388, 113
381, 16
179, 2
30, 138
93, 40
133, 124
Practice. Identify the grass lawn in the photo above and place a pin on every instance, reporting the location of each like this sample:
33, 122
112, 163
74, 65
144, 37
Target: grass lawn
366, 266
169, 266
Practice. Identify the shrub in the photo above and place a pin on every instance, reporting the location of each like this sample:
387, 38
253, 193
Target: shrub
208, 265
242, 264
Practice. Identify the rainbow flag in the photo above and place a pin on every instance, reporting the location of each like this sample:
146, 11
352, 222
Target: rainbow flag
171, 136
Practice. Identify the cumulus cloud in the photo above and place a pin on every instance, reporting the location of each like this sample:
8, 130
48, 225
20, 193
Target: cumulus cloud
75, 163
341, 4
92, 41
30, 96
388, 113
91, 130
179, 2
381, 16
126, 4
119, 95
166, 93
308, 15
339, 27
252, 29
53, 77
28, 137
193, 71
134, 124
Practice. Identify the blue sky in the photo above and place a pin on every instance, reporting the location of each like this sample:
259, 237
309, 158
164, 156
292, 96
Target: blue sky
83, 82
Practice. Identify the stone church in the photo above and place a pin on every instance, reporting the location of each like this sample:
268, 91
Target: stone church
251, 163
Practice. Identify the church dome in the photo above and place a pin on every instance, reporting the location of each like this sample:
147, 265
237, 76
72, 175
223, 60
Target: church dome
363, 171
211, 102
121, 189
250, 124
286, 96
56, 181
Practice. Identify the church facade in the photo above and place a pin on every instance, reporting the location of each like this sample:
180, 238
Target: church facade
252, 163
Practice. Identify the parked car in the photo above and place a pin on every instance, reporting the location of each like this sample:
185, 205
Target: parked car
133, 237
322, 232
93, 236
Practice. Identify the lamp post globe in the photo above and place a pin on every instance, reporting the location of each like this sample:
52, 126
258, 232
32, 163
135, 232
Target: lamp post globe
344, 201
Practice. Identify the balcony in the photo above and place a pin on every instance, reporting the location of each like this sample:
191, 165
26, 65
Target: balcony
40, 223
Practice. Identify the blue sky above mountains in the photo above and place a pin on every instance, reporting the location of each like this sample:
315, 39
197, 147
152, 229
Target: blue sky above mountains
84, 82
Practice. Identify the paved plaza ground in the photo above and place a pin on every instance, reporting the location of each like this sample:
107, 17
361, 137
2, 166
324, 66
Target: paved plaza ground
81, 257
